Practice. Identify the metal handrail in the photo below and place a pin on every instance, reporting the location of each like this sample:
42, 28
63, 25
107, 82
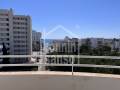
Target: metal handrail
75, 56
72, 64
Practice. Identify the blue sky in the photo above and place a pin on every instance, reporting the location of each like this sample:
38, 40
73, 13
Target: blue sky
87, 18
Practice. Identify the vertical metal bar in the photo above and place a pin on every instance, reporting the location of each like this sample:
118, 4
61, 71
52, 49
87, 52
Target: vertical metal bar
72, 66
39, 68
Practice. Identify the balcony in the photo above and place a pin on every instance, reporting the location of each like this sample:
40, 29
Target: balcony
58, 80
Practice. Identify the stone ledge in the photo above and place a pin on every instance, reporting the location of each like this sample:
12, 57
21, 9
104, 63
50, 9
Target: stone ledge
59, 73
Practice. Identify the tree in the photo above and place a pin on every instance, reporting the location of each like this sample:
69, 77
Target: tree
86, 48
5, 52
104, 50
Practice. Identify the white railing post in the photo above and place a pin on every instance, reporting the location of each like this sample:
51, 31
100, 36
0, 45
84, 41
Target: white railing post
39, 68
72, 66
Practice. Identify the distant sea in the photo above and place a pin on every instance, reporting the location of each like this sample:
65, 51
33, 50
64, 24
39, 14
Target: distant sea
48, 41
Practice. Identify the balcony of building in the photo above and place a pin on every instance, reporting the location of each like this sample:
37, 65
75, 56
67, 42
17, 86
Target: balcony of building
45, 79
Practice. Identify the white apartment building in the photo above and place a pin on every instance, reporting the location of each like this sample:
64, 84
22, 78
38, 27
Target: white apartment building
67, 45
16, 33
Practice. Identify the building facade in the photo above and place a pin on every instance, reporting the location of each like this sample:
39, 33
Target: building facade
36, 41
15, 33
114, 43
66, 46
73, 45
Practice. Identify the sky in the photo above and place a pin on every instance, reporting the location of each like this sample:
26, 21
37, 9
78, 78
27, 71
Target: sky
83, 18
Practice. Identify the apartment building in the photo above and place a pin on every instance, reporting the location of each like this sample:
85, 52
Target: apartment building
67, 45
95, 42
36, 41
16, 34
72, 45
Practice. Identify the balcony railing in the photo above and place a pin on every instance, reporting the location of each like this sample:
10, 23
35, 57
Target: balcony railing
70, 58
